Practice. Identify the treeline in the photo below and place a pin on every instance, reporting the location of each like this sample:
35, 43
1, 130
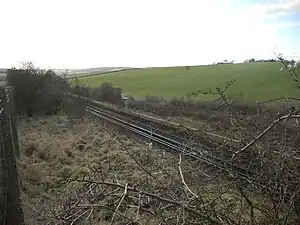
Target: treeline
41, 92
252, 60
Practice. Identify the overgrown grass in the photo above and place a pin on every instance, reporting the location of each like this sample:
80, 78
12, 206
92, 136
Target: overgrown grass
257, 81
54, 150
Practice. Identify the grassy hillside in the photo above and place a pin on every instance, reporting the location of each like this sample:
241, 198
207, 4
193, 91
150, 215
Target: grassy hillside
259, 81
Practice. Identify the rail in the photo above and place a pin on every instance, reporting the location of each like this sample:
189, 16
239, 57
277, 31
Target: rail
154, 121
173, 142
195, 151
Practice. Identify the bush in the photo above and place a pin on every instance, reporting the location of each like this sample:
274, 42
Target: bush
36, 91
109, 94
106, 93
81, 90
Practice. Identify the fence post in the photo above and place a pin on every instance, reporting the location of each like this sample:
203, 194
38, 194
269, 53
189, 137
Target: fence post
13, 122
12, 212
3, 186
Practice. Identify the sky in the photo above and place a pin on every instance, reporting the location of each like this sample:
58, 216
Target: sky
75, 34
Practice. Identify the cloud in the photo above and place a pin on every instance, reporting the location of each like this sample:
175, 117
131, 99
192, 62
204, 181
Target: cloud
136, 33
278, 7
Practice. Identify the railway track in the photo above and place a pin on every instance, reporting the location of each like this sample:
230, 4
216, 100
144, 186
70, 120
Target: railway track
184, 146
197, 151
169, 128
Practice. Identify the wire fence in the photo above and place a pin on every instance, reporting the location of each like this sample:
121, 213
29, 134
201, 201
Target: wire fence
11, 211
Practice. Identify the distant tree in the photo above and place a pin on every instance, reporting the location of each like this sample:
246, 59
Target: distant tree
252, 60
36, 90
107, 93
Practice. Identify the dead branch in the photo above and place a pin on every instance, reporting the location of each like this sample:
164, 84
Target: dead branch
288, 116
278, 99
117, 208
182, 179
249, 202
81, 215
173, 202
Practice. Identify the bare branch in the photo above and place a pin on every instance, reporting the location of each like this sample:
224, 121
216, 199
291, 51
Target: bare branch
288, 116
122, 198
182, 179
173, 202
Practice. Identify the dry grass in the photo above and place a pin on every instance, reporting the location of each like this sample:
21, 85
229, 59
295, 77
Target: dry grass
54, 150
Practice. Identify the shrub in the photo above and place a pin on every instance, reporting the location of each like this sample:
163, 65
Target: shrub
81, 90
109, 94
36, 91
106, 92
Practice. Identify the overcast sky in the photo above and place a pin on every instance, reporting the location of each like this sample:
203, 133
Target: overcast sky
94, 33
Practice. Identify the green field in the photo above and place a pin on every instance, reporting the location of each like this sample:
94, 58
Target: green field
257, 81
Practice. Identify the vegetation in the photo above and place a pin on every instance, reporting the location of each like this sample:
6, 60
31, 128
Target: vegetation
55, 150
254, 81
105, 93
61, 160
79, 172
36, 91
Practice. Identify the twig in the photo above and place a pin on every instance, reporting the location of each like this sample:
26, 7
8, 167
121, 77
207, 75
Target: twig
252, 222
116, 178
288, 116
138, 209
170, 201
122, 198
182, 179
89, 214
103, 206
278, 99
79, 216
135, 160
